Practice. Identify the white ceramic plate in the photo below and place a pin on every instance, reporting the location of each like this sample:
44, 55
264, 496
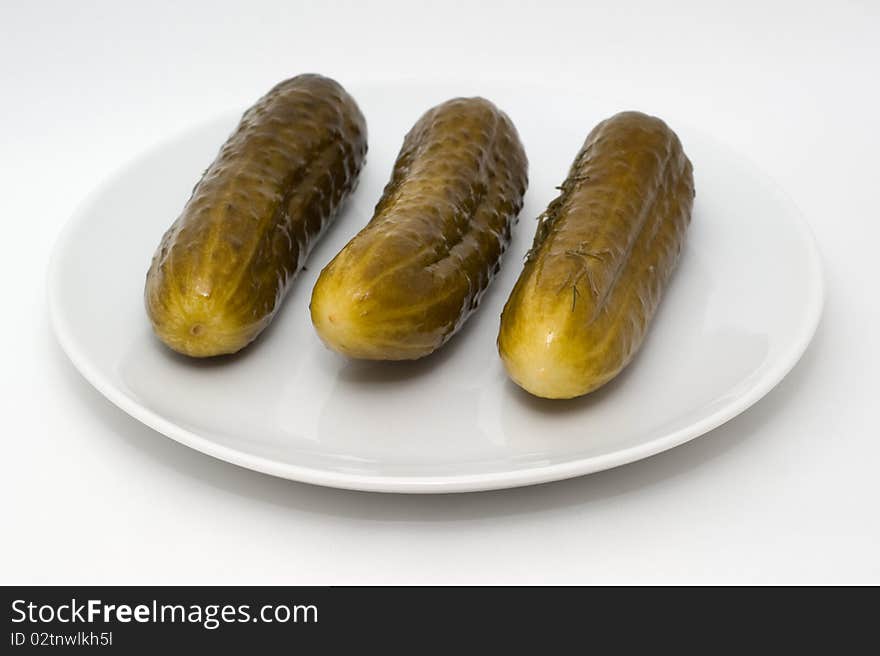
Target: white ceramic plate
740, 311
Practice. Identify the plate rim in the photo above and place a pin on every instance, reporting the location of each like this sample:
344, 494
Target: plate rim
451, 483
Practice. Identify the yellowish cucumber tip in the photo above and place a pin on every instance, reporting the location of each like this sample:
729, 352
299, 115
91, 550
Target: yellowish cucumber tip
332, 320
542, 370
198, 334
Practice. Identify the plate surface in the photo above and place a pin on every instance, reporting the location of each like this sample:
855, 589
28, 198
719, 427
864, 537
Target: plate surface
739, 312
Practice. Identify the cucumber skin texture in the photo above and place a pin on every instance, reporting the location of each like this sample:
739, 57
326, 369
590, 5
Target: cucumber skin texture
603, 253
409, 280
223, 268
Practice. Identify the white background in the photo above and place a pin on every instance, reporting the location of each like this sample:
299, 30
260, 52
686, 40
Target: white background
788, 492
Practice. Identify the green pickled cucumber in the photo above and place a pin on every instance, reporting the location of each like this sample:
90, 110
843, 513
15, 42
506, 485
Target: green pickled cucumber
603, 253
222, 269
409, 280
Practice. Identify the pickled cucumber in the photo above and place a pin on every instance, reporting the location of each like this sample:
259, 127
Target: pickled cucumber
602, 255
222, 269
409, 280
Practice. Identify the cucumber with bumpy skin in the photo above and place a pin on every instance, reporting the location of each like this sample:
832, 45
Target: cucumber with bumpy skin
409, 280
222, 269
603, 253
